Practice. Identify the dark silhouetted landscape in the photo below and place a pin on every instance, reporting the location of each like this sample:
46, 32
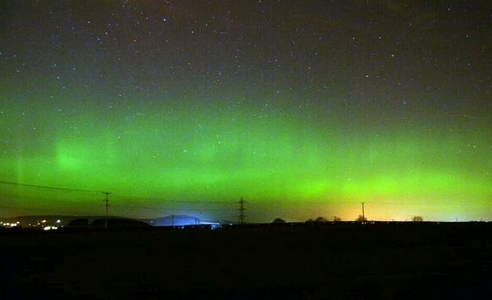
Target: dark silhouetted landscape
269, 261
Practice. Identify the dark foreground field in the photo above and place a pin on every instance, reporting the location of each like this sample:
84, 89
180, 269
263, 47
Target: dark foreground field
332, 261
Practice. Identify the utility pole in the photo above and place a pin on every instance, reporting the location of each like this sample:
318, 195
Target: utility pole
242, 216
363, 212
107, 209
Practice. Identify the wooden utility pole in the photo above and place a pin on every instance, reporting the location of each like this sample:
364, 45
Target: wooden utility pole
363, 212
107, 209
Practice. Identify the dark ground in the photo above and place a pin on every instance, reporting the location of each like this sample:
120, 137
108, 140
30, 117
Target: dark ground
331, 261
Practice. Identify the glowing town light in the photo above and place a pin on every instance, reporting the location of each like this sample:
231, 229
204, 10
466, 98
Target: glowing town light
46, 228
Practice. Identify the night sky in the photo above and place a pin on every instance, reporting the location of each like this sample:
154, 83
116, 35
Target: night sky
304, 108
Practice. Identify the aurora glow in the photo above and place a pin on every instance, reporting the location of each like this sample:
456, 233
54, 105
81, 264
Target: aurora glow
115, 99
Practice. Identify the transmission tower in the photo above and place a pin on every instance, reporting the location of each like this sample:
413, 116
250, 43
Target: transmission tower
107, 209
242, 216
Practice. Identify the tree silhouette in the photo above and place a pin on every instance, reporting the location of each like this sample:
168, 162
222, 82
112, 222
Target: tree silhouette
337, 219
417, 219
317, 220
360, 218
278, 221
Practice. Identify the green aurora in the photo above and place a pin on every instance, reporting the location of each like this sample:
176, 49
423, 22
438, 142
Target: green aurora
207, 153
303, 109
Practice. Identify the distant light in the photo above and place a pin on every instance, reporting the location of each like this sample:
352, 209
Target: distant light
43, 221
50, 228
58, 221
164, 19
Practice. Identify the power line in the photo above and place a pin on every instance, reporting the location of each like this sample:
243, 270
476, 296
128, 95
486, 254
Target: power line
119, 197
47, 187
65, 190
107, 202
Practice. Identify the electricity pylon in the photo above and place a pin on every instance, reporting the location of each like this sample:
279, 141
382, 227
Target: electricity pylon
242, 216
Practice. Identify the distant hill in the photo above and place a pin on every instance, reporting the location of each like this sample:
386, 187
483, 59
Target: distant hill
175, 220
112, 223
64, 220
82, 221
45, 220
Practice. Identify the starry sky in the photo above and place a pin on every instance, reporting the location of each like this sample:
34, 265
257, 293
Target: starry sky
304, 108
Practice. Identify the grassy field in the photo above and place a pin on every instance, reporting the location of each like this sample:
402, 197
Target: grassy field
325, 261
